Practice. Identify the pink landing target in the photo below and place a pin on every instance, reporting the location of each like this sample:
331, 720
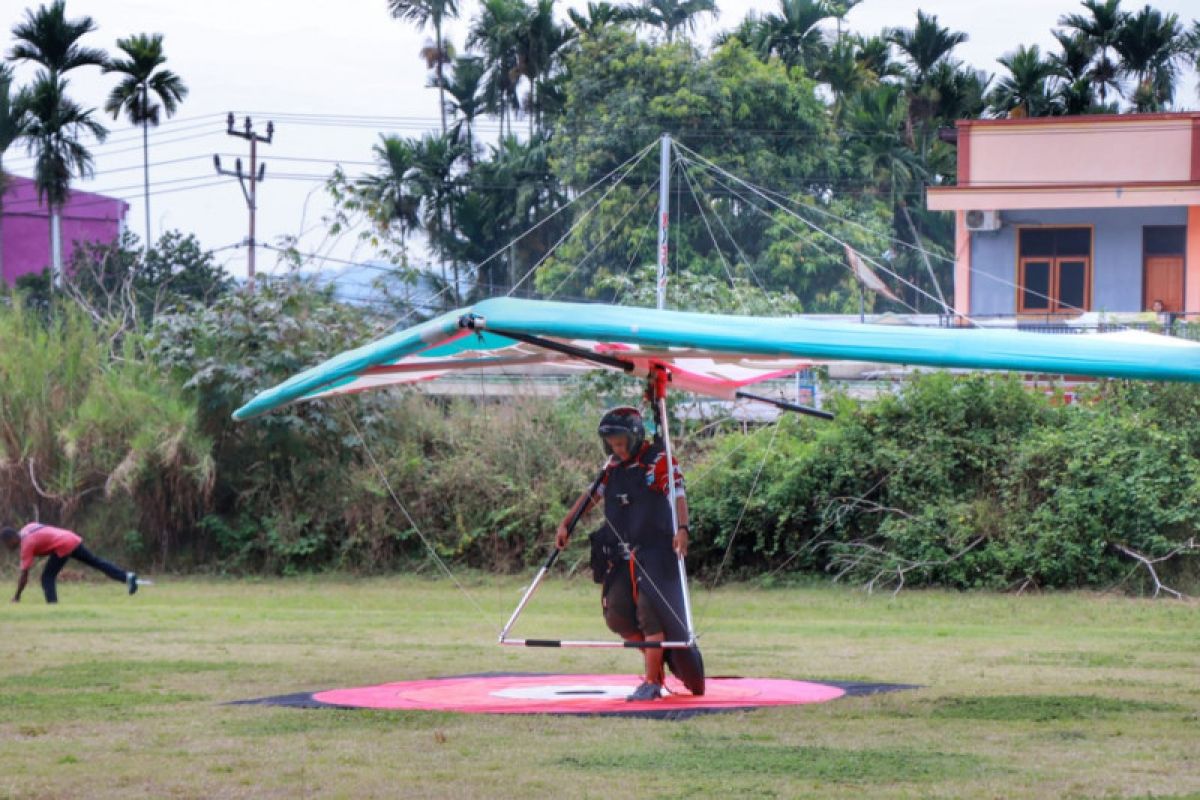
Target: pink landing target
574, 694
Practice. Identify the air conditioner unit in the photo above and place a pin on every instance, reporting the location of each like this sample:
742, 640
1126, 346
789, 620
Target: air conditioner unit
983, 220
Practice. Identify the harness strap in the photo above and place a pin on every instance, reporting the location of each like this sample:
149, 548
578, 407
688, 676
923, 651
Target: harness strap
633, 575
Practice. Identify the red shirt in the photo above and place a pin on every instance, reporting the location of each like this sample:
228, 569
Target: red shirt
42, 540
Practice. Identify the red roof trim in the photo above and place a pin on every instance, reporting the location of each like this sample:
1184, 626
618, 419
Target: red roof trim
1054, 187
1078, 118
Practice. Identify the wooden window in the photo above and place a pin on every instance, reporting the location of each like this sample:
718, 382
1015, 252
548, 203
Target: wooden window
1054, 270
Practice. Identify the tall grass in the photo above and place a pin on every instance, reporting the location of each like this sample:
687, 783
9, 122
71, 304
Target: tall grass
81, 428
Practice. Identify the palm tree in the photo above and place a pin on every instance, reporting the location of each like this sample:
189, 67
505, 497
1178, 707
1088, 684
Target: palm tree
539, 45
48, 38
874, 53
133, 95
794, 33
496, 33
925, 45
1101, 25
673, 15
1074, 93
465, 88
433, 178
844, 72
1023, 92
392, 192
425, 12
54, 137
599, 16
14, 121
1152, 46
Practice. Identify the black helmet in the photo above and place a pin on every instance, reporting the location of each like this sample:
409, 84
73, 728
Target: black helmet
626, 420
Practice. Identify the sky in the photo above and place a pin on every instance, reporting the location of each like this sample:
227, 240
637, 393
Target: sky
332, 77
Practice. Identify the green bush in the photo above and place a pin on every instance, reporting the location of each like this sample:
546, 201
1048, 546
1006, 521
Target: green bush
963, 482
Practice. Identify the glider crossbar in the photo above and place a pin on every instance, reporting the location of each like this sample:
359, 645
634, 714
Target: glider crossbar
568, 350
786, 406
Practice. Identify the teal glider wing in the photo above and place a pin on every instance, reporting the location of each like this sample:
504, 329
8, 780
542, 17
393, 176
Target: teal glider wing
712, 354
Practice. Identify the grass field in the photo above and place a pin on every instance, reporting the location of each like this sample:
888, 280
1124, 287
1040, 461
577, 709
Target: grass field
1061, 695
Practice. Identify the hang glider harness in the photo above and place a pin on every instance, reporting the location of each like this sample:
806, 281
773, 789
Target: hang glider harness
656, 393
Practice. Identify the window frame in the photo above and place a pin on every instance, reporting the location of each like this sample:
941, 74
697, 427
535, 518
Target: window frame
1055, 302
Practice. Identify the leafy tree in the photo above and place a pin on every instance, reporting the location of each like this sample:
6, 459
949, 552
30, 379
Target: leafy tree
143, 78
622, 95
435, 13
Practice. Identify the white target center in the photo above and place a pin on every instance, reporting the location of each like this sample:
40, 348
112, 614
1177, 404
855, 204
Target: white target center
565, 692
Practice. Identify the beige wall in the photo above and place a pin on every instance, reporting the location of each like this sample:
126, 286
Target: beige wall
1136, 150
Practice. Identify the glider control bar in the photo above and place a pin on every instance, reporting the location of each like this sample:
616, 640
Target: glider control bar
585, 643
586, 500
786, 406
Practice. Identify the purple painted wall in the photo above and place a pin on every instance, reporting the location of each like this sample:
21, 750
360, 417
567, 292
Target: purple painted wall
25, 226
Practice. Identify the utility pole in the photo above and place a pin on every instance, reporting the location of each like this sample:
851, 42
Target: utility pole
257, 172
664, 216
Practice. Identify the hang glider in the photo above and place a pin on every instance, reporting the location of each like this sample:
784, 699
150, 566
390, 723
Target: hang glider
710, 354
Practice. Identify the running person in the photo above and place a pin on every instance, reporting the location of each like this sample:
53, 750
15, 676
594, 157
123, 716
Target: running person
642, 597
58, 545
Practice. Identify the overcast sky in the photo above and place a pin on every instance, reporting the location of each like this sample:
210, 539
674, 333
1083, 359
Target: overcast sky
301, 62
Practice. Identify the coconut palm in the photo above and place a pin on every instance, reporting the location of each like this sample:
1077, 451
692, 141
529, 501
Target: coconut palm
1101, 25
435, 13
1024, 92
671, 16
1152, 47
144, 93
14, 121
48, 38
54, 135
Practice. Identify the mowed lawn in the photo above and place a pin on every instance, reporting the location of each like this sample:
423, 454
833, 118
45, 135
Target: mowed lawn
1050, 695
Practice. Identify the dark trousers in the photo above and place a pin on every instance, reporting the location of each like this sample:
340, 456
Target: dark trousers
55, 562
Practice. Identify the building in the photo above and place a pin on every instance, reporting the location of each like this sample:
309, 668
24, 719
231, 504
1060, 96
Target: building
1064, 215
25, 226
